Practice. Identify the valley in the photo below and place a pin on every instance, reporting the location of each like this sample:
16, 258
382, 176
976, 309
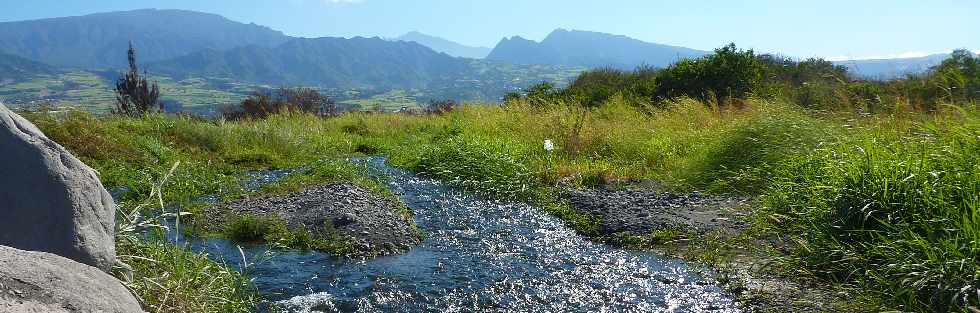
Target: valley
182, 161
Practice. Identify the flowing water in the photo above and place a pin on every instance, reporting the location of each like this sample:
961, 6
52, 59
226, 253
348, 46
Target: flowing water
478, 255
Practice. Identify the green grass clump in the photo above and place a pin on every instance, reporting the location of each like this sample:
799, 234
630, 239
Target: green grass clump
478, 165
169, 278
894, 212
250, 229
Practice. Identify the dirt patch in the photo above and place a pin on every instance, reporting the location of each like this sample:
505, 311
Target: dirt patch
643, 211
376, 225
744, 265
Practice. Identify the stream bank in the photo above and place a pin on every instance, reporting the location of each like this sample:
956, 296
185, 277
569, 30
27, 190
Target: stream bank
479, 255
712, 231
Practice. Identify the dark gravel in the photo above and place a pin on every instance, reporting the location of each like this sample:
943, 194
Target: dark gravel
375, 223
642, 211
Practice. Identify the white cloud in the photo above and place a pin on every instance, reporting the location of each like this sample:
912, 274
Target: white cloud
976, 51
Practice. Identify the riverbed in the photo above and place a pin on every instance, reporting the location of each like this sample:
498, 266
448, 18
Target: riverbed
479, 255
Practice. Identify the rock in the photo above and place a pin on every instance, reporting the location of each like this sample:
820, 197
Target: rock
344, 220
43, 282
49, 200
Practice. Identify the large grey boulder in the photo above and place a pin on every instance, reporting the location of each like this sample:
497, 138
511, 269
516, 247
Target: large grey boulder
49, 200
33, 281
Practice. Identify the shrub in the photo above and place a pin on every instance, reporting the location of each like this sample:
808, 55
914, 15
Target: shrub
538, 95
262, 104
440, 106
593, 88
134, 95
727, 74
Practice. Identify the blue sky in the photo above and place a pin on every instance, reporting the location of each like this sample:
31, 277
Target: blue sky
829, 28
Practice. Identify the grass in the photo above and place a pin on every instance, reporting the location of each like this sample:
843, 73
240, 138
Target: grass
892, 211
91, 92
886, 204
169, 278
274, 231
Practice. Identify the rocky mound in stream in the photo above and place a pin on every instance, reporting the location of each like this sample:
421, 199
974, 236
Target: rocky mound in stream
377, 225
643, 211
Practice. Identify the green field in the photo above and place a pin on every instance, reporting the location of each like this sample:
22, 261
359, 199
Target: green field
88, 91
93, 92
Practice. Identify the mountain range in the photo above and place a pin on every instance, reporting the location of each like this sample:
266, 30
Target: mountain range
186, 43
445, 46
589, 49
892, 68
327, 62
100, 40
14, 68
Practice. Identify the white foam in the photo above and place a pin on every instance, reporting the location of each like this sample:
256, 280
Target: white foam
305, 304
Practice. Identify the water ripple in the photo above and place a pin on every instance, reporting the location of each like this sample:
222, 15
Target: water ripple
480, 255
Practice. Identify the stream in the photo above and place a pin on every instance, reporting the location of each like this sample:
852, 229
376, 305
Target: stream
478, 255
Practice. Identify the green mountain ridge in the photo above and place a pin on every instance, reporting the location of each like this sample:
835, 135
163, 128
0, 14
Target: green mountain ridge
14, 68
589, 49
323, 62
100, 40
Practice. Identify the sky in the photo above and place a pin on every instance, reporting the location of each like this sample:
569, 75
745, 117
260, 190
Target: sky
833, 29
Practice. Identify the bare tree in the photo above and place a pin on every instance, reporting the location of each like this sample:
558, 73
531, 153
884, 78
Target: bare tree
134, 95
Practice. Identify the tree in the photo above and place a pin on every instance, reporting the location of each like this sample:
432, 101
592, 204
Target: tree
727, 74
134, 95
262, 104
308, 100
440, 107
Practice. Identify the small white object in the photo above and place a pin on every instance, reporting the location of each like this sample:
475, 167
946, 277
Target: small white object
548, 145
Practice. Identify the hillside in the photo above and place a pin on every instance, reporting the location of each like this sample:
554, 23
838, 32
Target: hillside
892, 68
589, 49
324, 62
100, 40
14, 68
446, 46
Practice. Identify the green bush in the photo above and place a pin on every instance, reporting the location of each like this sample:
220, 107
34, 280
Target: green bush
727, 74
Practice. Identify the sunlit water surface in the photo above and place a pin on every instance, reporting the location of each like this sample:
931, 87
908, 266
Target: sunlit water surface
478, 255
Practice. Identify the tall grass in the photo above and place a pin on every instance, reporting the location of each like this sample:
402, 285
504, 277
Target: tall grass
885, 202
170, 278
895, 212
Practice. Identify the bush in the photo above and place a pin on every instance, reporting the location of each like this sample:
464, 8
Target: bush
593, 88
727, 74
440, 106
538, 95
262, 104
